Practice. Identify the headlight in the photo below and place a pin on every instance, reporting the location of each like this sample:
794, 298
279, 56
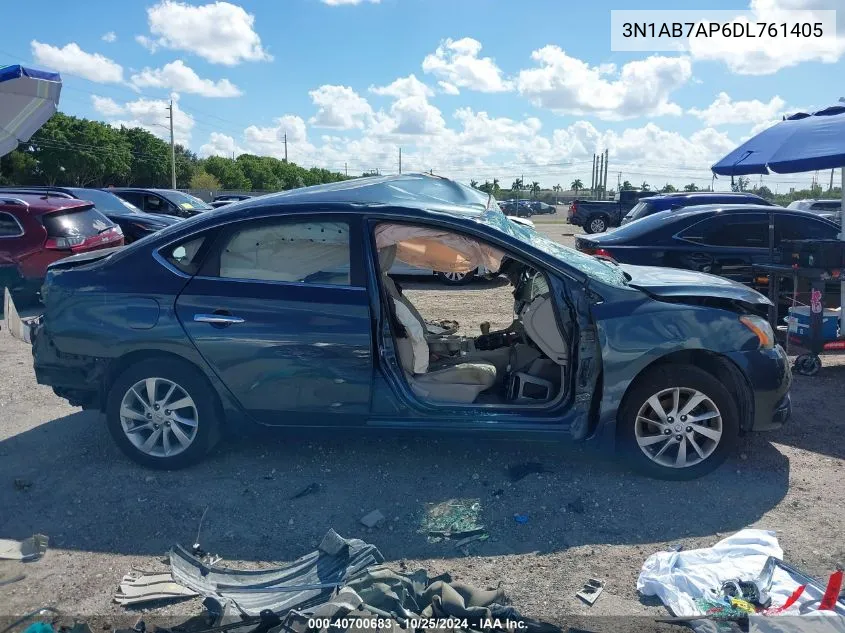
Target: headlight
761, 328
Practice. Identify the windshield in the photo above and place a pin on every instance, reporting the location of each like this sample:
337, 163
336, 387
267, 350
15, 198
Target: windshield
105, 201
186, 201
600, 270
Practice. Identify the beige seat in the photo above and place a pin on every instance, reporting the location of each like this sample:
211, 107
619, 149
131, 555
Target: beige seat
461, 382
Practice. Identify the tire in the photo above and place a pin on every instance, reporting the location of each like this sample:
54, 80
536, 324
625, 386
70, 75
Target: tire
456, 279
204, 413
662, 381
596, 224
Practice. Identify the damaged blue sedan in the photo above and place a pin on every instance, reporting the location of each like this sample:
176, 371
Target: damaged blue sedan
280, 311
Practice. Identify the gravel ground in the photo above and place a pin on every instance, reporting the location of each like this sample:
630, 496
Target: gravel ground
105, 515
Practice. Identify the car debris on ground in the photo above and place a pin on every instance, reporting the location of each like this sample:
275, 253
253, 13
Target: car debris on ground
29, 549
592, 590
341, 586
741, 579
373, 519
453, 518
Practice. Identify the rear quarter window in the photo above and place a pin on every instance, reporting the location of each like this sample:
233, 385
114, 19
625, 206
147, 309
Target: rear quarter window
75, 223
9, 226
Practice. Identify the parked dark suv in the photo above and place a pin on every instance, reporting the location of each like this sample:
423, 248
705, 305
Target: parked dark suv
668, 201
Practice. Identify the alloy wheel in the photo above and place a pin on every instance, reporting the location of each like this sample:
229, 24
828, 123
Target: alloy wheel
455, 277
678, 427
597, 225
159, 417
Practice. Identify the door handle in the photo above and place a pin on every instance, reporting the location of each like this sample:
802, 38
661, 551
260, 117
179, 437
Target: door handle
217, 319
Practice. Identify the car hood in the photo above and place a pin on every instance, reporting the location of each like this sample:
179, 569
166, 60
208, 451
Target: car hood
677, 283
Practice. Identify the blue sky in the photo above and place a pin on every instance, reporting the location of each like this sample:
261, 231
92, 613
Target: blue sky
474, 89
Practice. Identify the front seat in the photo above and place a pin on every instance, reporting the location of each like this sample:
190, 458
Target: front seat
460, 382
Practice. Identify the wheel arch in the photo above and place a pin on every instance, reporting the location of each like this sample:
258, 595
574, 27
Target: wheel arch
715, 364
120, 364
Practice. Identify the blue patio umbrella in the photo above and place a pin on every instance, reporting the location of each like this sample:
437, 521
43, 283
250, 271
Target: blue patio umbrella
28, 97
802, 142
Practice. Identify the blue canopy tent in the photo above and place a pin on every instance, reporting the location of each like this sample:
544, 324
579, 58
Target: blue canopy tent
28, 97
802, 142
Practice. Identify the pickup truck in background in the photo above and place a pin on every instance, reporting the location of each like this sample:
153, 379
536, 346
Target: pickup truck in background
596, 216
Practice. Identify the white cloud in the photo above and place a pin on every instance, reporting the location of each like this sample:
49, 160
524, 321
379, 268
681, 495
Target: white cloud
725, 111
219, 32
109, 37
220, 145
567, 85
457, 62
340, 107
106, 106
747, 56
73, 60
147, 43
447, 88
408, 86
337, 3
177, 76
149, 114
289, 124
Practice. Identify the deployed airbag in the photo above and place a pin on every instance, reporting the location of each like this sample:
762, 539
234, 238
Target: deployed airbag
436, 249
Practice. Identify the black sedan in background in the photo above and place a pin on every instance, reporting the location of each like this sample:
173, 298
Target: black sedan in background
228, 198
134, 223
724, 240
162, 201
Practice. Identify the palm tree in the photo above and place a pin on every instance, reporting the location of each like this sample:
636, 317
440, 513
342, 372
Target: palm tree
496, 188
535, 188
645, 186
576, 185
691, 187
473, 184
557, 189
668, 188
627, 186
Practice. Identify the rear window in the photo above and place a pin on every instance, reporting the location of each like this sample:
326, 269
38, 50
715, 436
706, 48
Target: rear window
76, 223
642, 209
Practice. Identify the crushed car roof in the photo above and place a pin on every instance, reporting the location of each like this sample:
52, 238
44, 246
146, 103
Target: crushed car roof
406, 190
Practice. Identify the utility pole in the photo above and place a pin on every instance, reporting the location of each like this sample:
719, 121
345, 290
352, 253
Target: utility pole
593, 178
606, 161
172, 150
346, 169
618, 182
286, 147
400, 160
831, 181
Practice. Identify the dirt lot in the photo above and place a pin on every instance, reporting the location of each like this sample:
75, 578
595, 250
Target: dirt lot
104, 515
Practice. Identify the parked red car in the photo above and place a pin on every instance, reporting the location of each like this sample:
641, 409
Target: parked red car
36, 231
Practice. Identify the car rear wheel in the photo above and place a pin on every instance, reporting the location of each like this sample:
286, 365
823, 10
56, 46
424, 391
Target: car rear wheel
678, 422
163, 414
596, 224
456, 279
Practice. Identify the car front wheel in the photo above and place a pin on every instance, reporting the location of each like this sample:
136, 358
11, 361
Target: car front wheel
163, 414
456, 279
678, 422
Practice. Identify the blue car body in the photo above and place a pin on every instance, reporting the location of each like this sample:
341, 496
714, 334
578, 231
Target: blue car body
673, 201
318, 355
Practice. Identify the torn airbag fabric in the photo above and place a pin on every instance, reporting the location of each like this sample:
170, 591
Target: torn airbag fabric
436, 249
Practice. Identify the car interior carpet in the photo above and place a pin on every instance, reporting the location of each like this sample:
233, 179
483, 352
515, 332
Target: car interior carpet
308, 581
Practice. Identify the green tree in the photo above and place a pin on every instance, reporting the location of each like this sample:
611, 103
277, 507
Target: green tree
645, 186
228, 172
187, 164
19, 167
516, 185
473, 184
740, 184
150, 166
576, 185
535, 188
627, 186
668, 188
259, 170
204, 180
764, 192
691, 187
